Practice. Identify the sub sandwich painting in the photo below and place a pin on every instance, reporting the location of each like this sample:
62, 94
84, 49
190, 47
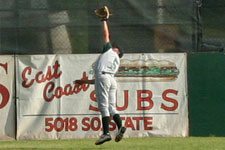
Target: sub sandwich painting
147, 70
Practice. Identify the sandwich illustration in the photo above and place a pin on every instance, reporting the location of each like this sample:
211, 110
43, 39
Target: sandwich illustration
147, 70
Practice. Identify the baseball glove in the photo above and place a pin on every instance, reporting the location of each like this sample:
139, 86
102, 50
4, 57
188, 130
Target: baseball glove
103, 13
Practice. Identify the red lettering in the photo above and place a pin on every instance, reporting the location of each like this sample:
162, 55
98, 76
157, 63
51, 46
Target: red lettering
49, 73
5, 96
129, 123
26, 71
93, 98
58, 92
73, 124
86, 124
77, 88
5, 67
141, 100
40, 77
3, 90
37, 77
147, 123
56, 73
95, 124
168, 99
68, 90
92, 124
50, 92
48, 124
59, 124
137, 119
85, 86
67, 125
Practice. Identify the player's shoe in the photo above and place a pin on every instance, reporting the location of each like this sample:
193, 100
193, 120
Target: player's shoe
120, 133
103, 138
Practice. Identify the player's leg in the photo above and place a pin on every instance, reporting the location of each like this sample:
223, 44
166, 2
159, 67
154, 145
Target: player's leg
102, 87
114, 112
112, 104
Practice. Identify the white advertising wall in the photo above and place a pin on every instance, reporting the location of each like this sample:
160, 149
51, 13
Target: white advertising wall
7, 99
151, 96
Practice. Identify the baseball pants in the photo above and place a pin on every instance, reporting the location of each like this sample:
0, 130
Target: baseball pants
105, 87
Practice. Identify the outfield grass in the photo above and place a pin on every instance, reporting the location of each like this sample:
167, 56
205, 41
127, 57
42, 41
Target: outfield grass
190, 143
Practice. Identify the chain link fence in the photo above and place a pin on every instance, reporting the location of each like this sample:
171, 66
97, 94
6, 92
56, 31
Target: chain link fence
139, 26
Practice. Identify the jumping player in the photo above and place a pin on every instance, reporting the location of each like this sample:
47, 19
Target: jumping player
105, 86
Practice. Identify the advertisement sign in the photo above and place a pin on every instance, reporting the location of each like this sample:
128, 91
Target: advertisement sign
151, 96
7, 102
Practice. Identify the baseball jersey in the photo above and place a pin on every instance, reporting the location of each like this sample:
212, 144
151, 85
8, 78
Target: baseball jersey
108, 61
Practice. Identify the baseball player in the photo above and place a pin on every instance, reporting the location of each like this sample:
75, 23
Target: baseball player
105, 85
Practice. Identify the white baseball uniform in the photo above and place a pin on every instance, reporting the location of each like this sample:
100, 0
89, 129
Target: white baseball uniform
105, 84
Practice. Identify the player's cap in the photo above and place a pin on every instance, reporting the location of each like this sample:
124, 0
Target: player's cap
114, 44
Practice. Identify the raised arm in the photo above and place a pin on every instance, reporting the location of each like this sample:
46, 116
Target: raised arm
106, 34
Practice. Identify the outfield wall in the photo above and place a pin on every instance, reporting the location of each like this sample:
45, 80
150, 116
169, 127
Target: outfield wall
151, 96
7, 98
205, 85
206, 88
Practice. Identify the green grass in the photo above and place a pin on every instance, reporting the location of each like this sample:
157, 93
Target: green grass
190, 143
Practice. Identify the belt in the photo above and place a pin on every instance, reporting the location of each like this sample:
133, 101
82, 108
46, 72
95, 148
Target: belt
103, 72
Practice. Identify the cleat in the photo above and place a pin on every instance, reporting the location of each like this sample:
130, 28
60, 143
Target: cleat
103, 138
120, 133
